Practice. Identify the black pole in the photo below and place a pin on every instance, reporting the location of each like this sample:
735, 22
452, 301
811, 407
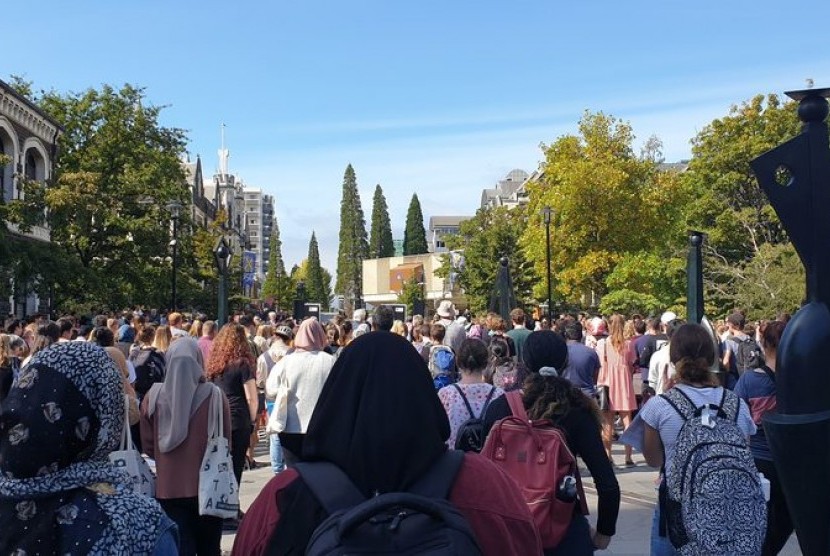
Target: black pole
694, 278
547, 259
175, 259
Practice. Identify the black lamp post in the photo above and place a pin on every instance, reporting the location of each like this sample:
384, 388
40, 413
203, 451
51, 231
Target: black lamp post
175, 208
279, 286
223, 254
546, 216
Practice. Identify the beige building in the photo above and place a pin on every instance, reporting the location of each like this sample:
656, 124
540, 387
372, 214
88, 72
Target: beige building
384, 278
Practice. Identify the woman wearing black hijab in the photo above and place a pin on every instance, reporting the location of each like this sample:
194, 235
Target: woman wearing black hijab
378, 419
548, 396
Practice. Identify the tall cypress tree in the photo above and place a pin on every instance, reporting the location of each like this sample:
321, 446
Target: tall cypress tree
353, 246
414, 236
380, 237
278, 284
315, 286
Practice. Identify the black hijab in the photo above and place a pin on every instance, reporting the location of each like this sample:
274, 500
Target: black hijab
545, 348
378, 417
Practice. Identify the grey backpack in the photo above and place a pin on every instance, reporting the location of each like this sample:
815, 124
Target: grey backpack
711, 501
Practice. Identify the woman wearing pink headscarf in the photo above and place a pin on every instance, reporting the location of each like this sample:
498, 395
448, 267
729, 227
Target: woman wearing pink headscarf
304, 372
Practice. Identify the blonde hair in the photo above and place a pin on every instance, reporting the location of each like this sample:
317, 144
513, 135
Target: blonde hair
399, 328
5, 350
196, 328
163, 338
265, 331
616, 331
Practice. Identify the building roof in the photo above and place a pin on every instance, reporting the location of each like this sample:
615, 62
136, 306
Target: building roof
9, 90
443, 221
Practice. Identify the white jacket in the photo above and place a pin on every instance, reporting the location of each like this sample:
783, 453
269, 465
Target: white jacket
303, 373
659, 367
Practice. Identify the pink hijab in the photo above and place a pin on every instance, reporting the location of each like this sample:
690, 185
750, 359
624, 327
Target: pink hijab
311, 336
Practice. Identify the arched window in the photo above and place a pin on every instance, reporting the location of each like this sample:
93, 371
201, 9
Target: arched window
30, 170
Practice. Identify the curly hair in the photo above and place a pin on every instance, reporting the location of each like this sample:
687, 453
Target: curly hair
548, 397
230, 345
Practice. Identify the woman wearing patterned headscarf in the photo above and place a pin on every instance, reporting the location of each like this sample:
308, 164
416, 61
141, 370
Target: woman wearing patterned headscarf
304, 371
546, 395
174, 431
58, 492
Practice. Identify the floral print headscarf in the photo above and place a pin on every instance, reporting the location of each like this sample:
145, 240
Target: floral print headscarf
58, 492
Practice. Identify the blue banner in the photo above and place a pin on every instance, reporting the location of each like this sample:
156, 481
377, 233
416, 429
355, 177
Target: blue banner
248, 268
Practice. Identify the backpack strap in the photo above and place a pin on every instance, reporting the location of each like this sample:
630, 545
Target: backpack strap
438, 481
680, 402
330, 485
730, 404
769, 372
466, 401
517, 406
487, 401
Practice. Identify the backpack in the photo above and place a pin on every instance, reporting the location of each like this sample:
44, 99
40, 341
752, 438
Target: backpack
149, 369
441, 362
506, 376
470, 435
748, 355
420, 521
536, 455
711, 500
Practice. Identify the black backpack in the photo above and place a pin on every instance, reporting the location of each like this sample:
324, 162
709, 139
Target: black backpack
149, 369
420, 521
470, 435
748, 356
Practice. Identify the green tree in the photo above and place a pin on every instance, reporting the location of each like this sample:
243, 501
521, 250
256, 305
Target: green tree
380, 236
607, 202
729, 204
353, 247
278, 285
414, 236
745, 238
412, 291
118, 169
491, 234
299, 273
315, 280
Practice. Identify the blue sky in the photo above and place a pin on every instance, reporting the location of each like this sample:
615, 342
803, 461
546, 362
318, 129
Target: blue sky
438, 98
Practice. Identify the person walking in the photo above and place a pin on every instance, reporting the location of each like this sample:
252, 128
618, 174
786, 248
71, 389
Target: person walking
357, 426
233, 369
757, 389
692, 354
616, 375
546, 395
303, 372
469, 397
174, 432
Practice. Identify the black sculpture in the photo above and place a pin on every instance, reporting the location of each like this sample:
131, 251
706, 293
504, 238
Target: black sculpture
503, 299
796, 178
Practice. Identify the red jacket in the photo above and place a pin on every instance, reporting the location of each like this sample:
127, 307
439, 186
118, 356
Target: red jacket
488, 499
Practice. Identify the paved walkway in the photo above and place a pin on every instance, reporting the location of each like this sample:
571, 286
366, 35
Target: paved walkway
633, 524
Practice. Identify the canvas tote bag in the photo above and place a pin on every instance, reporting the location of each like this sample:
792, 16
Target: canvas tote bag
218, 490
128, 459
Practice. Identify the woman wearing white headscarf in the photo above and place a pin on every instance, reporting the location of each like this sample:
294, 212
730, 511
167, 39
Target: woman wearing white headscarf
174, 431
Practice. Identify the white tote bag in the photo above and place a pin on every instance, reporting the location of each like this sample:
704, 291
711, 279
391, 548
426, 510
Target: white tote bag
128, 459
218, 489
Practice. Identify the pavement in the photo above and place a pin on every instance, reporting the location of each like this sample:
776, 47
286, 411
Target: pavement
638, 497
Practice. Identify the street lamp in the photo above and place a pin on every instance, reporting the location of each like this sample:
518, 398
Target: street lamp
175, 208
222, 254
546, 216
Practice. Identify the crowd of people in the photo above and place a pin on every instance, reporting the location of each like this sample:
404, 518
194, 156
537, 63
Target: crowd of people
382, 399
